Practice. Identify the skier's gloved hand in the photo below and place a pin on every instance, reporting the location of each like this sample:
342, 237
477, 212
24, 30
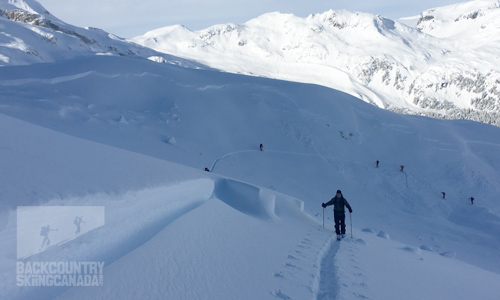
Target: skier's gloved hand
350, 210
323, 204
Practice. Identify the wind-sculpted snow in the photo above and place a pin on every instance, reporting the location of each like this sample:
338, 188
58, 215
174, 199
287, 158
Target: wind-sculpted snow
255, 201
246, 198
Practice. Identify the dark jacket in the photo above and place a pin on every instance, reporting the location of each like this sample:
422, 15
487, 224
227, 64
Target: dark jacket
339, 204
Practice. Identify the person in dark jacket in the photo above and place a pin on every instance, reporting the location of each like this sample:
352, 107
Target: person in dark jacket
339, 203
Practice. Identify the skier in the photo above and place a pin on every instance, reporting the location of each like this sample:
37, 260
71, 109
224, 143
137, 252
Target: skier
339, 202
443, 194
207, 170
401, 168
377, 163
471, 200
261, 147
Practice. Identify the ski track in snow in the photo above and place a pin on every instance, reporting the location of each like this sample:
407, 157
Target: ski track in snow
227, 155
328, 288
324, 157
56, 80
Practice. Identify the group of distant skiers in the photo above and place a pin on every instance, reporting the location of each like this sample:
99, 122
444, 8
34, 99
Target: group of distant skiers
340, 203
471, 198
401, 168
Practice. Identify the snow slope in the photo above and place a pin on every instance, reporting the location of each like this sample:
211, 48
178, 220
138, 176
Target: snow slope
133, 136
447, 69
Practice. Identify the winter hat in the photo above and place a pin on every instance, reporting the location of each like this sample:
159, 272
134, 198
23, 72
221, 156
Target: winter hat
339, 192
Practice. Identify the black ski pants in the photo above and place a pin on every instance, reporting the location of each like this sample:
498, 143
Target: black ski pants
339, 217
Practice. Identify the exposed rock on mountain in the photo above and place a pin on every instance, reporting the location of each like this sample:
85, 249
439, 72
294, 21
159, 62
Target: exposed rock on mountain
30, 34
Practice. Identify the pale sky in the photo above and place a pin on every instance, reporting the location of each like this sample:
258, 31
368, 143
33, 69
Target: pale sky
129, 18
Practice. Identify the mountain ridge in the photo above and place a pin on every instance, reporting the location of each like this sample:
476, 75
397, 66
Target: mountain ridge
33, 35
446, 67
403, 69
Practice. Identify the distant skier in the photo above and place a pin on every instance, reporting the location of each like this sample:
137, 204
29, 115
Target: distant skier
444, 194
401, 168
207, 170
339, 203
471, 200
261, 147
376, 163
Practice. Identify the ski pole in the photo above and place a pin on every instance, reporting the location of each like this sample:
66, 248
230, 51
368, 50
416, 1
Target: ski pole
323, 217
350, 218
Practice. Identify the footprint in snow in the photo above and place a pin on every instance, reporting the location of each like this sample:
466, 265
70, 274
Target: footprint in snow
360, 296
360, 242
412, 250
426, 248
279, 294
384, 235
450, 254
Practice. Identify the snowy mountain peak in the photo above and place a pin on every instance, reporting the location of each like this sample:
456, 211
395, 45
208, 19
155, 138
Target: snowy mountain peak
34, 35
347, 19
30, 6
465, 18
29, 12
